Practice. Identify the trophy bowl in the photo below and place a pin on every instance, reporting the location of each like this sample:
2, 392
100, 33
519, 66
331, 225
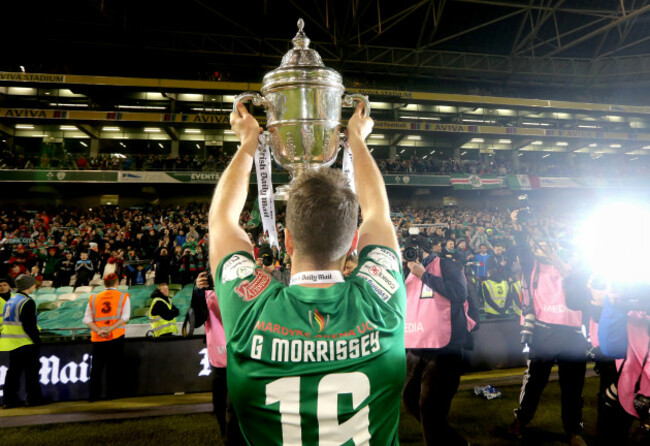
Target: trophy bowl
303, 101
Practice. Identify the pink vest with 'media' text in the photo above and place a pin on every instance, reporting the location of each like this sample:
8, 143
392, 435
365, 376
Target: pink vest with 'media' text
637, 345
214, 334
428, 320
549, 299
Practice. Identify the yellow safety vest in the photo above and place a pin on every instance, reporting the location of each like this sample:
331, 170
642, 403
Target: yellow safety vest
2, 309
498, 292
13, 335
160, 326
515, 288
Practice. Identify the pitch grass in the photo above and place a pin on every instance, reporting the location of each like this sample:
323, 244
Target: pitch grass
482, 422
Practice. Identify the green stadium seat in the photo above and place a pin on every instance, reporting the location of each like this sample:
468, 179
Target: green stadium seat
99, 289
47, 306
64, 290
175, 287
141, 312
45, 297
45, 290
123, 287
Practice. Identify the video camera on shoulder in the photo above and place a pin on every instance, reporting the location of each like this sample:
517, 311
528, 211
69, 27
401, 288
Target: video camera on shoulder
412, 245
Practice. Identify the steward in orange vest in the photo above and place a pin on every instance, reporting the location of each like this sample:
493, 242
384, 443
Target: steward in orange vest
106, 315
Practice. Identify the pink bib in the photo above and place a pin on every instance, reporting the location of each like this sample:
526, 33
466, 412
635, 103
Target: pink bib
549, 299
428, 320
214, 334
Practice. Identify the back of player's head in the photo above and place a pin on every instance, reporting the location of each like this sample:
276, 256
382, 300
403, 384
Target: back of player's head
322, 214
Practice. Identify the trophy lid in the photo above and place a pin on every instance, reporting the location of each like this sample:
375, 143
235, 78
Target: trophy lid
301, 55
301, 65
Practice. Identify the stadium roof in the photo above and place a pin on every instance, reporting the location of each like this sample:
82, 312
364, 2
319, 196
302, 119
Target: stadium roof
582, 43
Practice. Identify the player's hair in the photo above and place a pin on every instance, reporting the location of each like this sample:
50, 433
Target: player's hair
322, 214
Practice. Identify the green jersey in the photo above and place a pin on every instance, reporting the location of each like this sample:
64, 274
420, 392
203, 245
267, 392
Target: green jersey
315, 366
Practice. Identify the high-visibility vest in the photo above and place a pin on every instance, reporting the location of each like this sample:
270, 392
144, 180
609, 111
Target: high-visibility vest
515, 289
106, 308
499, 294
2, 309
13, 335
160, 326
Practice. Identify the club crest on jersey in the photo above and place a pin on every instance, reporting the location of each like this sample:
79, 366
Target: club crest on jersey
249, 290
317, 321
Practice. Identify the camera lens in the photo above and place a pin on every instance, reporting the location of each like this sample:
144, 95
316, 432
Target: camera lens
411, 254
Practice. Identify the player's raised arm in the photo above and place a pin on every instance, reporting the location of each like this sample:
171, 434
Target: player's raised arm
226, 236
376, 228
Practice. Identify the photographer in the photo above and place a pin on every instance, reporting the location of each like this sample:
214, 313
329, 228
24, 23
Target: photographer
624, 333
268, 263
437, 328
552, 332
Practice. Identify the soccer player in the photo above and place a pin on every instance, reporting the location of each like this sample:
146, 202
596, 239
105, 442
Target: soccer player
320, 361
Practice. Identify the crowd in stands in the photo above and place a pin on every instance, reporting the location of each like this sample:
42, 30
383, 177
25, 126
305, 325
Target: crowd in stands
497, 164
69, 247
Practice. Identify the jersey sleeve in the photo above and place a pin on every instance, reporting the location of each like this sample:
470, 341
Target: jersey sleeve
381, 270
239, 285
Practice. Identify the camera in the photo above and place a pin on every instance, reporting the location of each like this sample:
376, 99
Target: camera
412, 251
642, 406
267, 259
524, 215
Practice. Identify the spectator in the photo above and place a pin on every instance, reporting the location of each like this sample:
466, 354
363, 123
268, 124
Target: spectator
84, 270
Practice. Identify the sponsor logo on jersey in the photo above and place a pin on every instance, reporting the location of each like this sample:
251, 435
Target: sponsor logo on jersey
237, 267
249, 290
318, 321
385, 258
379, 280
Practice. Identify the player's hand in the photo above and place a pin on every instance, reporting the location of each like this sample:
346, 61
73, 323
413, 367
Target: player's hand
416, 268
202, 280
358, 126
245, 126
513, 216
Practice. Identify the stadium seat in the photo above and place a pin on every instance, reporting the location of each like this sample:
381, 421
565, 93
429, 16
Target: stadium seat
45, 290
141, 312
175, 287
47, 306
47, 284
67, 296
123, 288
64, 290
45, 297
83, 289
99, 289
96, 282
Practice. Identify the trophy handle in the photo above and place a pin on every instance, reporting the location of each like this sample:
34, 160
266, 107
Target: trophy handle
258, 100
348, 101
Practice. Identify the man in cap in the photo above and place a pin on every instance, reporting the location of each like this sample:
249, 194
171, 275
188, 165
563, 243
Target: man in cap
20, 337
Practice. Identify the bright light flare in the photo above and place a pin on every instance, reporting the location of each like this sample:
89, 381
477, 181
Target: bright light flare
616, 260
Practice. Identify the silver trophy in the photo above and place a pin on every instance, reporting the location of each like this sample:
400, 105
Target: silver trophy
303, 100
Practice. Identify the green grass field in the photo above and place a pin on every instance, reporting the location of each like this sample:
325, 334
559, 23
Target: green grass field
482, 422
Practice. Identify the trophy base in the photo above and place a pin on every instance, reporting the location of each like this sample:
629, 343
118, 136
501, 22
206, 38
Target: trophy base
281, 193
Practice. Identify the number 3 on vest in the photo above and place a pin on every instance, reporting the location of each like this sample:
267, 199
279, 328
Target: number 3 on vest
286, 391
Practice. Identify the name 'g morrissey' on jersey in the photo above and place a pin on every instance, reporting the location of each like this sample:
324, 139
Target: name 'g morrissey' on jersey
316, 366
